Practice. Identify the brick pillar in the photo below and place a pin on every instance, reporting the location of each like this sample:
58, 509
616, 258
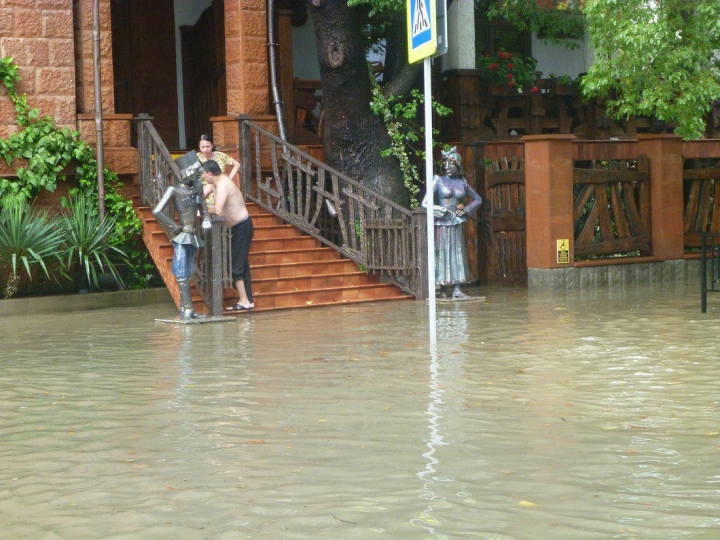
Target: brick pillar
666, 193
549, 198
84, 57
246, 57
38, 35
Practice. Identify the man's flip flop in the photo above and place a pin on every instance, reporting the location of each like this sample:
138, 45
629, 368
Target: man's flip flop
238, 307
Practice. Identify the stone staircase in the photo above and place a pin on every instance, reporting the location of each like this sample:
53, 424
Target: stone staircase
289, 268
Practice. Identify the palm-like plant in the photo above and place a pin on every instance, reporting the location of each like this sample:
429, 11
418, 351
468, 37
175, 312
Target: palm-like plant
27, 238
89, 241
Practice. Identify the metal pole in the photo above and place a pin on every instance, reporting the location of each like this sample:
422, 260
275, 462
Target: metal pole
272, 45
98, 109
430, 216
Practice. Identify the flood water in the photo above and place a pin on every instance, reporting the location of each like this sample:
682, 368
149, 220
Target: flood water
542, 416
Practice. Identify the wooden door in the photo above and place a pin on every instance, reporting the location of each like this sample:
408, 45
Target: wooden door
204, 81
145, 75
504, 222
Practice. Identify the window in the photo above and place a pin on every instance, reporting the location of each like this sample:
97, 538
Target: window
493, 35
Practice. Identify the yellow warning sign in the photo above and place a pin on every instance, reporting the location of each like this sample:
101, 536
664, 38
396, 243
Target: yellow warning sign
563, 251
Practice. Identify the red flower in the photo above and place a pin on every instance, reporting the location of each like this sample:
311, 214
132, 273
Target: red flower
493, 66
509, 66
509, 55
487, 56
511, 84
510, 76
534, 90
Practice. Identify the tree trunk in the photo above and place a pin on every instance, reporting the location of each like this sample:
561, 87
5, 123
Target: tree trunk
353, 136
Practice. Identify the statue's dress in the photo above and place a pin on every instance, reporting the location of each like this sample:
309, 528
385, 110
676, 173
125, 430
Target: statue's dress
451, 267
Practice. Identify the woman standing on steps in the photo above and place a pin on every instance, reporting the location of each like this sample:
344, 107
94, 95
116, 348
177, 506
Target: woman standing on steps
207, 151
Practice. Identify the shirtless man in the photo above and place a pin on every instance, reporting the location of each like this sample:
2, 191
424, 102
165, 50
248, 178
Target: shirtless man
230, 206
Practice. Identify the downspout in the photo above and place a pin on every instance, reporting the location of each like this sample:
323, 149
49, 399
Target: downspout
98, 109
272, 46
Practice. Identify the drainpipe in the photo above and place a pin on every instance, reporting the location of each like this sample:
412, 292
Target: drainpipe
98, 109
272, 46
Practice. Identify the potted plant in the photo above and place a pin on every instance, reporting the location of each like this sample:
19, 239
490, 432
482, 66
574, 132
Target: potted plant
506, 73
563, 84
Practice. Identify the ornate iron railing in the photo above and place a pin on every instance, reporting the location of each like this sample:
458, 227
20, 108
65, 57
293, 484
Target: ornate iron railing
158, 171
379, 235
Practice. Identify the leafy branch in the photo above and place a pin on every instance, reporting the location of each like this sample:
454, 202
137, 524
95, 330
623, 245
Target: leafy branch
400, 116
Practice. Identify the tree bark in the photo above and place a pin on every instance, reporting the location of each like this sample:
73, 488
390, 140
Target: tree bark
353, 136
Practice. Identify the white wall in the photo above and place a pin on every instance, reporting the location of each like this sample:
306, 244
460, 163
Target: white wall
461, 36
187, 12
551, 58
560, 61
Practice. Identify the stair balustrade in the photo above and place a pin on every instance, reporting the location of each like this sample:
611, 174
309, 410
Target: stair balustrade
379, 235
158, 171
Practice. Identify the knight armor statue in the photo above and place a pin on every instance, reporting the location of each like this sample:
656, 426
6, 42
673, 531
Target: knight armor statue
188, 201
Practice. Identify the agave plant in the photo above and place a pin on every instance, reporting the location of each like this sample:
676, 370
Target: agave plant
88, 247
27, 238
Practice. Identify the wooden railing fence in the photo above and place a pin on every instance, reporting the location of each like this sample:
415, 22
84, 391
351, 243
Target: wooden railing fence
158, 171
611, 211
702, 202
379, 235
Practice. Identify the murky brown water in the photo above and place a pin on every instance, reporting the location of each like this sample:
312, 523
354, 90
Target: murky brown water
571, 416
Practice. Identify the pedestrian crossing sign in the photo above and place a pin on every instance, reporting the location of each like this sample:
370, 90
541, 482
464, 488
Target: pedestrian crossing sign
422, 31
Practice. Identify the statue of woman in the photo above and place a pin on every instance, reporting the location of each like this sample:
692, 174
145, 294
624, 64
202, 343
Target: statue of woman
451, 192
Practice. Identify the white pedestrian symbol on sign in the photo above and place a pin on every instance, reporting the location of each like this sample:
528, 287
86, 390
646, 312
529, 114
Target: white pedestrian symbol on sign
420, 18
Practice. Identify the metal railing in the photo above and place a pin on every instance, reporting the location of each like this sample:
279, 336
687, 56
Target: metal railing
709, 267
381, 236
158, 171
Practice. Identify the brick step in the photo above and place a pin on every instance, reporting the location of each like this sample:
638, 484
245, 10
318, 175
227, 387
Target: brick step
308, 283
290, 268
260, 245
376, 292
277, 256
275, 231
302, 269
293, 256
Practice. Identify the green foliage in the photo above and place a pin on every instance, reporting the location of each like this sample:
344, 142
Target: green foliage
49, 150
28, 238
554, 21
400, 116
656, 59
89, 241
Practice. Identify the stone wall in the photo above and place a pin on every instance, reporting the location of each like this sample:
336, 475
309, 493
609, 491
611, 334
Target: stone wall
614, 276
38, 35
246, 57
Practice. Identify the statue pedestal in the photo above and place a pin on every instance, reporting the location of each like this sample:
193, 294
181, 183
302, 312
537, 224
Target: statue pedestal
450, 300
199, 320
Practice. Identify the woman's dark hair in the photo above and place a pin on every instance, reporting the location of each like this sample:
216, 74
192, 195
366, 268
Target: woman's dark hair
208, 138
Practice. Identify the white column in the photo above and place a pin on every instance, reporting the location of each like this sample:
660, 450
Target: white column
461, 36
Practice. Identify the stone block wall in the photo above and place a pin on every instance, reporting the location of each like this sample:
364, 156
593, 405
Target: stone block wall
38, 35
246, 57
614, 276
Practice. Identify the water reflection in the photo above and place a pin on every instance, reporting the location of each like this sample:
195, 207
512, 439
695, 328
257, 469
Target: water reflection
451, 334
